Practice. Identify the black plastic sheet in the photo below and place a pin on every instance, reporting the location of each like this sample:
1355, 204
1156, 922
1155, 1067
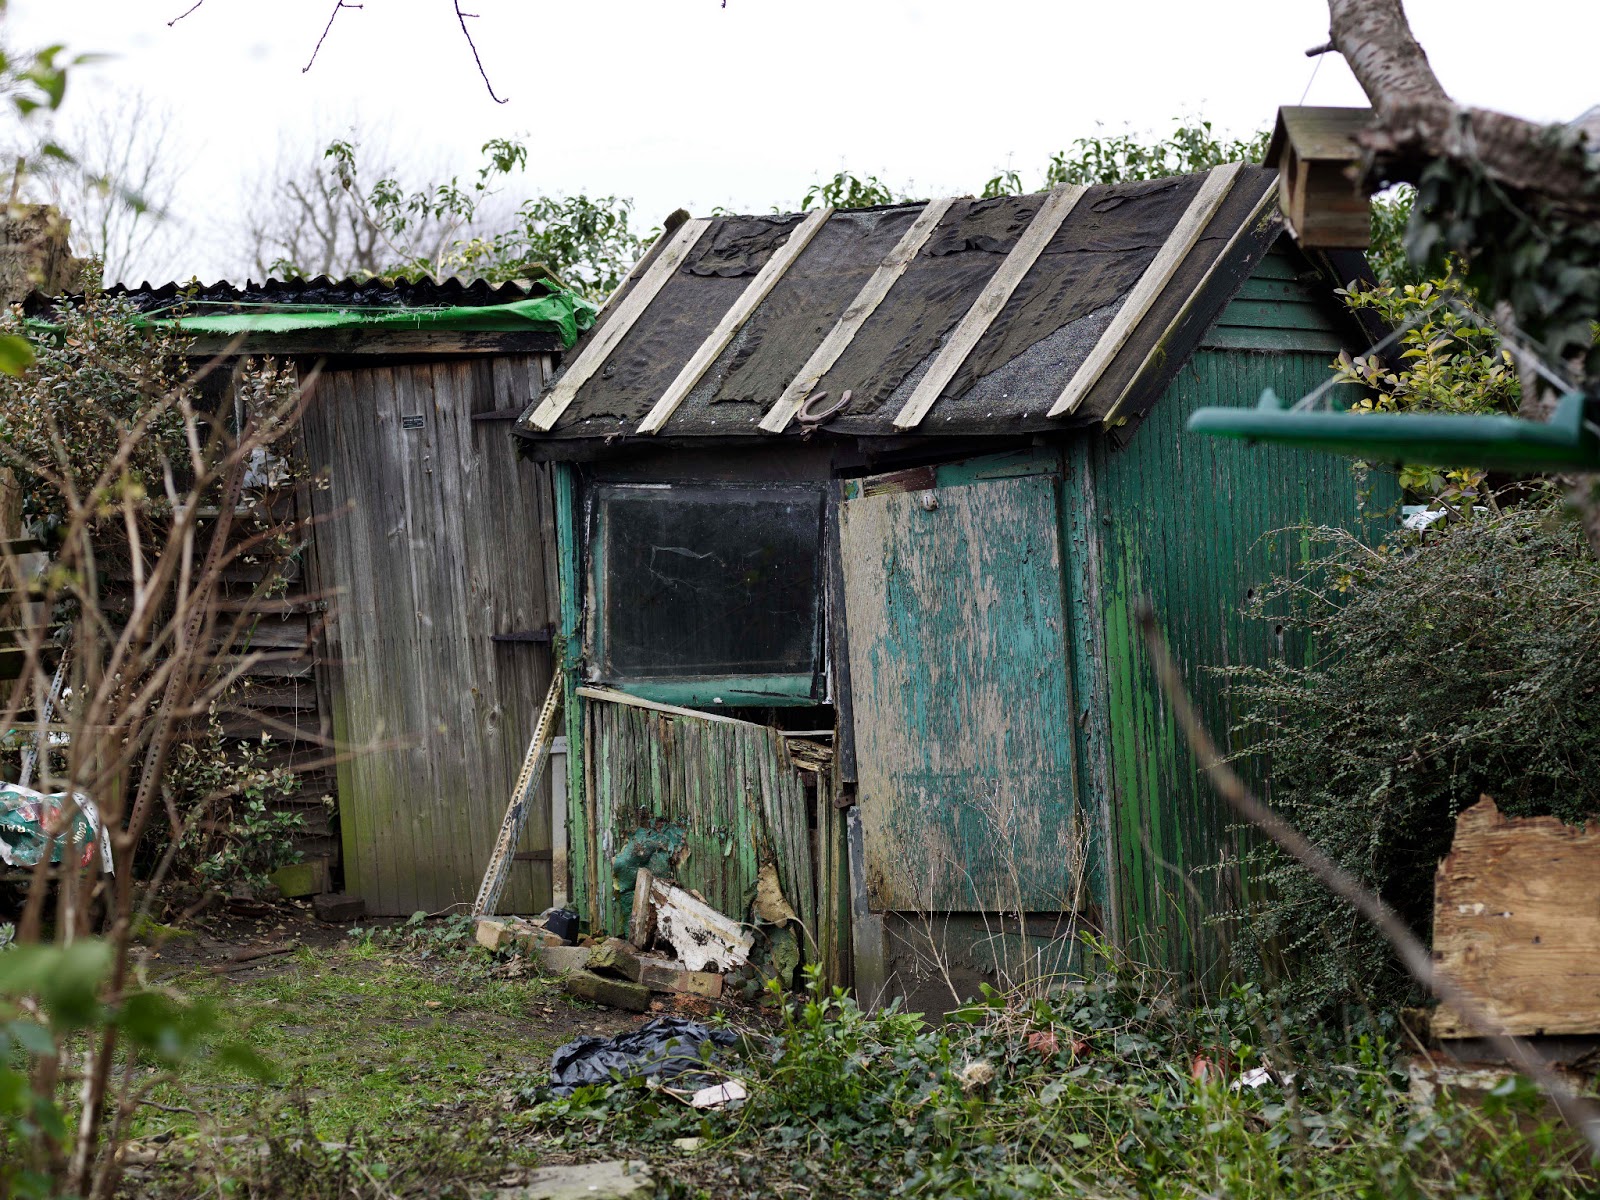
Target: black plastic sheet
667, 1047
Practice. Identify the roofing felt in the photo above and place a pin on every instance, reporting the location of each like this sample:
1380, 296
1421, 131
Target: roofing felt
1176, 246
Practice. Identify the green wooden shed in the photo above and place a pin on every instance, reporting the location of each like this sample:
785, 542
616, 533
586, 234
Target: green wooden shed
853, 511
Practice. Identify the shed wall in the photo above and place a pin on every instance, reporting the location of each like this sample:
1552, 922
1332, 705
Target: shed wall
434, 539
1196, 525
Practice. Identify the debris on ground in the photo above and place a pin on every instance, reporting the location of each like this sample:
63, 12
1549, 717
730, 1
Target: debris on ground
718, 1096
507, 933
665, 1048
702, 936
616, 993
338, 909
587, 1181
35, 823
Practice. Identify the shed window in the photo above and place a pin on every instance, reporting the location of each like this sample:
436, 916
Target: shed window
710, 582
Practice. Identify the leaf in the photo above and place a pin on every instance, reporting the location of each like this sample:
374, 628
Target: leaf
16, 356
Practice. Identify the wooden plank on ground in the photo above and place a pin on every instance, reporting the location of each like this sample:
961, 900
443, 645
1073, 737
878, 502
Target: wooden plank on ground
628, 312
1516, 922
1214, 189
990, 301
854, 317
733, 320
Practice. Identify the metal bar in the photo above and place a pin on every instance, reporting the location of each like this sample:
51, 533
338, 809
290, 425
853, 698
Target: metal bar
494, 876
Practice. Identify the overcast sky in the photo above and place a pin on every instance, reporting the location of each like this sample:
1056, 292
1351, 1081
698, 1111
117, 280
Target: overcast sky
688, 102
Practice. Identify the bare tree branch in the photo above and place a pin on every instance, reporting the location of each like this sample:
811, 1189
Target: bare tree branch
462, 17
338, 6
1580, 1114
185, 13
1417, 121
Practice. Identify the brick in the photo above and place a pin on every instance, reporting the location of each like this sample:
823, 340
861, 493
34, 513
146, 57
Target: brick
615, 957
337, 908
614, 993
665, 975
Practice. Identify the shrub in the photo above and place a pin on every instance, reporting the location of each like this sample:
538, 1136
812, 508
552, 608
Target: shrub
1456, 662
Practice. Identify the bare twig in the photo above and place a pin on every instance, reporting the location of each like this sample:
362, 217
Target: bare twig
185, 13
462, 17
338, 5
1581, 1114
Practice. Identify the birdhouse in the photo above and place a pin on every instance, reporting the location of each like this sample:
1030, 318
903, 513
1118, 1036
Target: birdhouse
1315, 150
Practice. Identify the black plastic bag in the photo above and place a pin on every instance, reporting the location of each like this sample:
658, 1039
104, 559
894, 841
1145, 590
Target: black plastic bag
667, 1047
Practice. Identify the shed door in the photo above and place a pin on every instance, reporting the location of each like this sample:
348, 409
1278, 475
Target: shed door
432, 544
959, 685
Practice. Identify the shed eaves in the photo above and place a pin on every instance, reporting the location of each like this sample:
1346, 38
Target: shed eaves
1111, 239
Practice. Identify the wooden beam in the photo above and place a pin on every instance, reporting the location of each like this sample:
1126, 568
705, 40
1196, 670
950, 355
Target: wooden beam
627, 313
375, 342
854, 317
1265, 208
613, 696
747, 303
1156, 276
990, 301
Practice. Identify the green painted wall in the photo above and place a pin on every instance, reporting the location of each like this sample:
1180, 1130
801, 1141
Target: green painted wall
1189, 522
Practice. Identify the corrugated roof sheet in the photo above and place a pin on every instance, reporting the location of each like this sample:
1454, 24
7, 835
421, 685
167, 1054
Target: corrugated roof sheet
1182, 252
323, 292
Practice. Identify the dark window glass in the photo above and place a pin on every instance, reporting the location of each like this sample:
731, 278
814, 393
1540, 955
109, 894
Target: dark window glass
709, 581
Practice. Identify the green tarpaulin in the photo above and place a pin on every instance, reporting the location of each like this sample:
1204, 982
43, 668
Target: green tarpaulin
560, 313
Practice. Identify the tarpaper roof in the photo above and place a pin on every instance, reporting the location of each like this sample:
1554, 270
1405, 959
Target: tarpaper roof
961, 317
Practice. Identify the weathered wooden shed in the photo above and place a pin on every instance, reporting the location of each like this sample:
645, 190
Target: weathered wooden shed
853, 511
408, 638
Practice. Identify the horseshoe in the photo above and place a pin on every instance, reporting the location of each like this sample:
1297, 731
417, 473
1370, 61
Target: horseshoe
806, 417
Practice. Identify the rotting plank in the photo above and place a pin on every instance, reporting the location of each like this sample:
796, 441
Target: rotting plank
854, 317
1052, 212
628, 312
1516, 921
749, 300
1213, 191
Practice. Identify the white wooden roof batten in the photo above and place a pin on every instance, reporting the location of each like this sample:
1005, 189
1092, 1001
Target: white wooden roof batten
1265, 209
612, 332
855, 316
749, 300
1213, 191
1052, 212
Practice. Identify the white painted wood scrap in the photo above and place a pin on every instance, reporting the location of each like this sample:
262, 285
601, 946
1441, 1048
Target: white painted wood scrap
703, 937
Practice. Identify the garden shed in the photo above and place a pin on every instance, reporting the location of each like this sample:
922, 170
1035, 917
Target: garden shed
853, 510
403, 635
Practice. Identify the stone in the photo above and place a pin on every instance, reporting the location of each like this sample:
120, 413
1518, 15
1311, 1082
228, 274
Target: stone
614, 993
338, 909
558, 960
589, 1181
615, 957
306, 878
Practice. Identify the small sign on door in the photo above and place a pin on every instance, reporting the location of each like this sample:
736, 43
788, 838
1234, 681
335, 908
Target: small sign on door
411, 422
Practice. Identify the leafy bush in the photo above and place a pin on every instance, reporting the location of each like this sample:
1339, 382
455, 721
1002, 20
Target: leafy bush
96, 375
1105, 1088
1461, 661
226, 788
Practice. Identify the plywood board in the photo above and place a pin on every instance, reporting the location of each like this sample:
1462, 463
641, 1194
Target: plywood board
1516, 922
958, 662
